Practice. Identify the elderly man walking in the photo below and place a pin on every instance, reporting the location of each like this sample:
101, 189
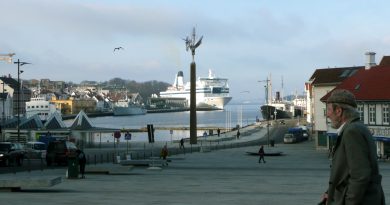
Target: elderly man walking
354, 175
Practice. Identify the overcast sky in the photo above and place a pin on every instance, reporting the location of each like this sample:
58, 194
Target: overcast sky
244, 41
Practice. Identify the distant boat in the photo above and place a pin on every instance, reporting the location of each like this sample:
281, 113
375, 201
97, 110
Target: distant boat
274, 108
38, 105
280, 107
127, 107
211, 91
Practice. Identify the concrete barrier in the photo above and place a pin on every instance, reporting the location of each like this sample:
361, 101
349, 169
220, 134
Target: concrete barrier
16, 184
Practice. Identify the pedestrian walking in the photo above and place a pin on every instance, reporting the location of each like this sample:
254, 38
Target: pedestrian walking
261, 154
218, 131
182, 145
164, 154
238, 134
82, 161
354, 175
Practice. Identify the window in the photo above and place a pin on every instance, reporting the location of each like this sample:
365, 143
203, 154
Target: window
385, 111
360, 110
371, 114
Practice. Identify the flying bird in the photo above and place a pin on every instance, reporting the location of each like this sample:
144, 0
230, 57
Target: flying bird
118, 48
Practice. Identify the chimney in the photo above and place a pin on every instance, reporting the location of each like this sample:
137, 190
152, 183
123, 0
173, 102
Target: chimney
370, 60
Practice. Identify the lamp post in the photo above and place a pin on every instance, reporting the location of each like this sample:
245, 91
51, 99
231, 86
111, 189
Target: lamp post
266, 87
3, 113
18, 96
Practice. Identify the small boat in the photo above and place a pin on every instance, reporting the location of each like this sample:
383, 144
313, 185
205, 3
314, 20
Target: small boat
127, 107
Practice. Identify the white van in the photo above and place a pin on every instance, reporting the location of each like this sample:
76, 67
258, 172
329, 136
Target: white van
35, 150
289, 138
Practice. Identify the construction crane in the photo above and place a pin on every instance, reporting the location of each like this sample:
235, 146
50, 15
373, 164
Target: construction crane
6, 57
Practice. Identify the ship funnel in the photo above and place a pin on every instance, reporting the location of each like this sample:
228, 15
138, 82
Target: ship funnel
180, 80
370, 60
277, 97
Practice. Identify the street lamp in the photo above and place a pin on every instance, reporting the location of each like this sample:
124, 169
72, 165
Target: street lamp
3, 114
19, 91
266, 87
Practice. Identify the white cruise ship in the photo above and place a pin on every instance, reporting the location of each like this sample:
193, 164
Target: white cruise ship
211, 91
40, 106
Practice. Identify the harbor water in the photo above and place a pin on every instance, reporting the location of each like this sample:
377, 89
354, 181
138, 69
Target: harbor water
232, 116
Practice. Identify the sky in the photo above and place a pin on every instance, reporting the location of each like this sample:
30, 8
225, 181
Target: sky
244, 41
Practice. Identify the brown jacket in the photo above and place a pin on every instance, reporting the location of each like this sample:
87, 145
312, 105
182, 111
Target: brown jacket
354, 177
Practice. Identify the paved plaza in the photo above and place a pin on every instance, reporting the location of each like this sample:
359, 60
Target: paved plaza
227, 176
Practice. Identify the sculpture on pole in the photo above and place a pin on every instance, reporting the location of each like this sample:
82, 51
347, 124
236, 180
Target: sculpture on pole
192, 44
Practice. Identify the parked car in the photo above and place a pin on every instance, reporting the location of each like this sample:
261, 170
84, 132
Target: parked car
11, 153
289, 138
59, 151
35, 150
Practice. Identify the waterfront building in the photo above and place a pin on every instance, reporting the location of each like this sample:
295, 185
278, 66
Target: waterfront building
24, 95
5, 107
320, 83
73, 106
371, 89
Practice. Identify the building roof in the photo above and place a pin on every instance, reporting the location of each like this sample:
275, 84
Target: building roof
385, 61
333, 76
369, 85
10, 82
33, 122
55, 122
81, 122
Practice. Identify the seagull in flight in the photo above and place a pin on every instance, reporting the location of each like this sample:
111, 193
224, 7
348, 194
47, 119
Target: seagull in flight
118, 48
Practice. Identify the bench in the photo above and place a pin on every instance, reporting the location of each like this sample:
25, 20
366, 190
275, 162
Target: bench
143, 162
16, 184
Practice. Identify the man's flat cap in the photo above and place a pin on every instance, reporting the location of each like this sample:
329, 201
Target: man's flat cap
342, 96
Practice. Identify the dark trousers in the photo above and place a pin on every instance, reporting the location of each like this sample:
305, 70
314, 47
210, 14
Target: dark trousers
261, 158
82, 169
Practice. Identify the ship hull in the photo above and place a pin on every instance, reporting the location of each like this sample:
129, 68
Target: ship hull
216, 102
268, 112
122, 111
